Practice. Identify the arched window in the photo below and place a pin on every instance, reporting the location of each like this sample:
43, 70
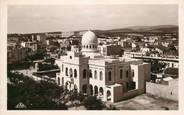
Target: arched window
109, 76
58, 81
87, 46
75, 87
62, 67
91, 89
90, 73
101, 75
95, 74
101, 90
132, 73
108, 95
121, 73
62, 80
75, 73
84, 88
96, 90
66, 71
84, 73
84, 46
93, 46
71, 72
127, 73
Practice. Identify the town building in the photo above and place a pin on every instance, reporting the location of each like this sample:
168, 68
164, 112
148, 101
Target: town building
67, 34
110, 78
111, 49
16, 53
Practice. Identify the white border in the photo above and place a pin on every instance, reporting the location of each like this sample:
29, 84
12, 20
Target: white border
3, 58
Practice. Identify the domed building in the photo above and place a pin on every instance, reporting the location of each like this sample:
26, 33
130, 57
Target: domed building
89, 44
110, 79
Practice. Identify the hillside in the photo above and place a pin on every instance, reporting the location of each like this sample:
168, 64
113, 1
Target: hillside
159, 29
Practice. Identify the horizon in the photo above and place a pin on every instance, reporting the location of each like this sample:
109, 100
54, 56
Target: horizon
90, 30
40, 19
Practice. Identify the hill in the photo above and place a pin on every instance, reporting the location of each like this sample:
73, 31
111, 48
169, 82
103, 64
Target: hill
157, 29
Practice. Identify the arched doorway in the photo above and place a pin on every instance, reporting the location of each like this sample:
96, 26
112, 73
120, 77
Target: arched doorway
68, 85
96, 90
84, 88
91, 89
108, 95
75, 87
101, 91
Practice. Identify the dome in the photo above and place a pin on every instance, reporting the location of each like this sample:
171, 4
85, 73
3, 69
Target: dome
89, 38
89, 42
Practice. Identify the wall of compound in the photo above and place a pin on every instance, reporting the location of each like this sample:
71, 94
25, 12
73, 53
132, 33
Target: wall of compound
169, 91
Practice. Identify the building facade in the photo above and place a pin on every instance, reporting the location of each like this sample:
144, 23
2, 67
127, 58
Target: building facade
107, 77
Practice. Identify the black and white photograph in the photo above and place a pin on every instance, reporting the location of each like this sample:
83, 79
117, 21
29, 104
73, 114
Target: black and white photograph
105, 57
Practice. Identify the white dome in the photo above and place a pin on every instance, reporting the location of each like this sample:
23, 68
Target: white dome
89, 38
89, 43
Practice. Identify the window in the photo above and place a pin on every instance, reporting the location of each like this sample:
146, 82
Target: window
93, 46
91, 89
58, 81
132, 73
71, 72
75, 73
127, 73
121, 73
62, 67
66, 71
95, 74
84, 88
70, 57
127, 85
87, 46
172, 64
62, 80
84, 73
109, 76
90, 46
101, 77
90, 73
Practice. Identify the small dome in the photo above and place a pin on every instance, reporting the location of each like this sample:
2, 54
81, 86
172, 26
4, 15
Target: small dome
89, 38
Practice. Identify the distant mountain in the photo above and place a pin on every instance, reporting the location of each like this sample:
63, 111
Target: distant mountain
159, 29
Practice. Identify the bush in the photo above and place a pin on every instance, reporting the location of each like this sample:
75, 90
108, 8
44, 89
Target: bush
92, 103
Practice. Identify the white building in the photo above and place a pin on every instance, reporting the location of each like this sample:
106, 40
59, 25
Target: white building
109, 78
67, 34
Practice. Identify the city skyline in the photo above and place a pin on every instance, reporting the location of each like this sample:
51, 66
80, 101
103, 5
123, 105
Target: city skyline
31, 19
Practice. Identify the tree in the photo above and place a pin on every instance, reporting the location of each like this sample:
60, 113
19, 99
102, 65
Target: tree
35, 95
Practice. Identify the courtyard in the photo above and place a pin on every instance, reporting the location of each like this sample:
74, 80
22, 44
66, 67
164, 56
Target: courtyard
146, 102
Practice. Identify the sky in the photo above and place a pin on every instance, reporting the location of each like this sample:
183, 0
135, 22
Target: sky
44, 18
